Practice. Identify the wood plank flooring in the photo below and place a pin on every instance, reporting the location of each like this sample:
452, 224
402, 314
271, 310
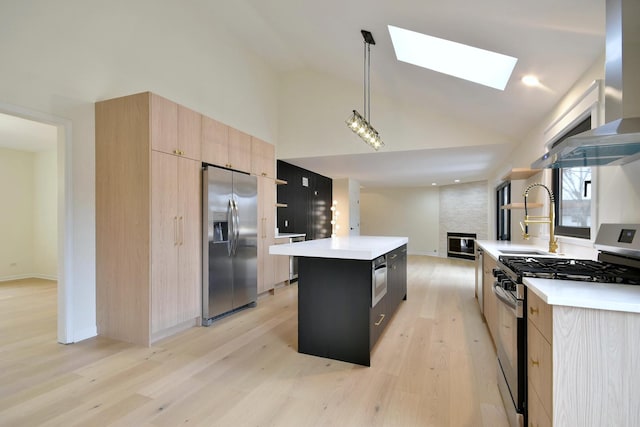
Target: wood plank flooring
435, 365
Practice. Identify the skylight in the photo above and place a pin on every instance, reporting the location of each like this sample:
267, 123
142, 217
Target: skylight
455, 59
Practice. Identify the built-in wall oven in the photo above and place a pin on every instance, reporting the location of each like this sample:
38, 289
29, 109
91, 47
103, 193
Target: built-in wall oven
378, 279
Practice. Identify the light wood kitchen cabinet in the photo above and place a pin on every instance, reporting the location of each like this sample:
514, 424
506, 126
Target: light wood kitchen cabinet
148, 232
266, 233
539, 361
175, 129
225, 146
176, 242
282, 264
490, 302
263, 161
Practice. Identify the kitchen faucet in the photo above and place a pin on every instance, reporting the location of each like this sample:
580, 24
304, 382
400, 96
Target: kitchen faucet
550, 219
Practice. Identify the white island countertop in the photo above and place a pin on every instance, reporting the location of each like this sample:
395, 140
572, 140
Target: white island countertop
348, 247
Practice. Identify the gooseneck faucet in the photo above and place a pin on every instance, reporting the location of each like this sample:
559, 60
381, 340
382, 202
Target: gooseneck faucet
550, 219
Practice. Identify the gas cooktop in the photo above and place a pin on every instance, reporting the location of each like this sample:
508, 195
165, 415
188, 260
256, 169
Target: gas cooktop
571, 269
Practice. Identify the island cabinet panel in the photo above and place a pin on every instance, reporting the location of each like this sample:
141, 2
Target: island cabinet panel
335, 317
396, 277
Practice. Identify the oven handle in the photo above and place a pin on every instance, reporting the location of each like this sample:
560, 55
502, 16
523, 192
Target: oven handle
515, 306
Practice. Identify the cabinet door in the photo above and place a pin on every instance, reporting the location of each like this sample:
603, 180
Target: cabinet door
489, 298
378, 319
189, 132
239, 150
263, 161
266, 233
164, 125
164, 241
539, 365
536, 414
189, 239
215, 142
282, 264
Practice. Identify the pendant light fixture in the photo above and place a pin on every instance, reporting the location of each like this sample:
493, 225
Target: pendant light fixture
357, 123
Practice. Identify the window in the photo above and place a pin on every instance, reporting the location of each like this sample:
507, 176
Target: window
572, 190
503, 197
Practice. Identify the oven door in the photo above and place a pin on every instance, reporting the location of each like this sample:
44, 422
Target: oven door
511, 348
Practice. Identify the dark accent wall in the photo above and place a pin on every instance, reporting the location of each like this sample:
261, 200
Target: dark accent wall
308, 206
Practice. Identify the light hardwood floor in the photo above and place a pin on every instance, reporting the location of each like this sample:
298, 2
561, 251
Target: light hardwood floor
434, 366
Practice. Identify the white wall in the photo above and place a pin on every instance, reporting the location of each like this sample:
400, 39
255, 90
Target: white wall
410, 212
346, 193
45, 214
28, 218
16, 214
60, 57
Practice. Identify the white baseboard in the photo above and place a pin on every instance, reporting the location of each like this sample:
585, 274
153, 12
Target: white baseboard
27, 276
84, 334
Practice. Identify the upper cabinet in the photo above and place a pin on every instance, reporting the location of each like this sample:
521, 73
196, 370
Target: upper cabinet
175, 129
239, 150
263, 162
225, 146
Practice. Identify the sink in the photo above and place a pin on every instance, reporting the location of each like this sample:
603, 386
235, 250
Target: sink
523, 252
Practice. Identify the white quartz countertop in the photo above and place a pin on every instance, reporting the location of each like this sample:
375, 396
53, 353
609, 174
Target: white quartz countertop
348, 247
495, 248
289, 235
601, 296
570, 293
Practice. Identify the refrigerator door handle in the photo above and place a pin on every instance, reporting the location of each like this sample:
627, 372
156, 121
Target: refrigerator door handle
230, 225
236, 228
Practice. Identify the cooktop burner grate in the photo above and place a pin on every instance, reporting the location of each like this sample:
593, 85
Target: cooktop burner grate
571, 269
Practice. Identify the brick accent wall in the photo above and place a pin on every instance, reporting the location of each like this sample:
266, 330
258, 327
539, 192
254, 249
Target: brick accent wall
463, 209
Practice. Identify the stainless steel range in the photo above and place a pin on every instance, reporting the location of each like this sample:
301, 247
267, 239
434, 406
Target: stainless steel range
618, 262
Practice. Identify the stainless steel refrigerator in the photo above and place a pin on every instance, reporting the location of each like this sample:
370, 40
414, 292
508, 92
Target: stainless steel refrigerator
230, 242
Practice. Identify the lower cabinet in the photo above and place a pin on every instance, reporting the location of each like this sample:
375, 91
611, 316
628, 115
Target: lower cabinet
539, 361
266, 233
282, 264
175, 245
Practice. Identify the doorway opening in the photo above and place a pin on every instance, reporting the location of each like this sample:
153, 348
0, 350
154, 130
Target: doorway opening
62, 204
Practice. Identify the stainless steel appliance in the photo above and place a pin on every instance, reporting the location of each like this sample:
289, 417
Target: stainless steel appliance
618, 262
230, 244
293, 260
378, 279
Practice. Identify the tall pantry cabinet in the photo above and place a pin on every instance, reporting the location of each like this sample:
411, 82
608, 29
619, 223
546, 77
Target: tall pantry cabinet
148, 218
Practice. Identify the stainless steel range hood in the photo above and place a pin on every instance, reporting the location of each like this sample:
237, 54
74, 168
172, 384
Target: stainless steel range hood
618, 141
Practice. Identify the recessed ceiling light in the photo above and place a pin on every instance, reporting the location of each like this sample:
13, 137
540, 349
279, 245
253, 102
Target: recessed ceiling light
433, 183
455, 59
530, 80
456, 181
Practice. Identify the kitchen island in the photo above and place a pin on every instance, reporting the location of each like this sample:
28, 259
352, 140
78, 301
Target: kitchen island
341, 311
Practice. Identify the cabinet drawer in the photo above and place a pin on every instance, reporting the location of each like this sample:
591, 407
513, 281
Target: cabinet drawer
538, 417
539, 365
540, 313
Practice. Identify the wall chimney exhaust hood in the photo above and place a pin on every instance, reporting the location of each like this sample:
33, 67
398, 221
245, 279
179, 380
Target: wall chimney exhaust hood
618, 141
